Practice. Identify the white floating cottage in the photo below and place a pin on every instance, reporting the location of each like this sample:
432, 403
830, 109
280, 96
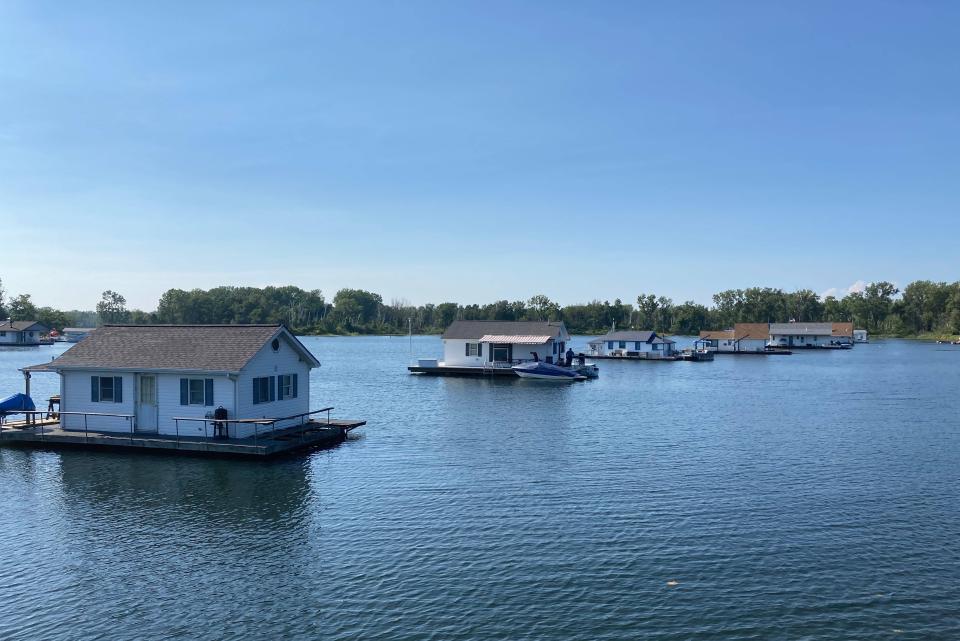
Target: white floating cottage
811, 335
170, 379
861, 336
478, 347
743, 338
76, 334
21, 333
632, 344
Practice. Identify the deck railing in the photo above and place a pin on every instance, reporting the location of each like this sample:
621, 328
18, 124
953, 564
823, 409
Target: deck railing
46, 415
257, 423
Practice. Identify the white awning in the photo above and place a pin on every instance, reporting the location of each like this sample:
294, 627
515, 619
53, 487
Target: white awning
516, 340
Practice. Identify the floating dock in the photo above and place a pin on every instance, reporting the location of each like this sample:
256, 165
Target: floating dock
769, 352
48, 433
479, 372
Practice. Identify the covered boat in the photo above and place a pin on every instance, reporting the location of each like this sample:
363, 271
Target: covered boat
547, 372
16, 403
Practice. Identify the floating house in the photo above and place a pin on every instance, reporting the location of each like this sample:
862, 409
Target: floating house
76, 334
632, 344
743, 338
21, 333
860, 336
481, 347
811, 335
171, 379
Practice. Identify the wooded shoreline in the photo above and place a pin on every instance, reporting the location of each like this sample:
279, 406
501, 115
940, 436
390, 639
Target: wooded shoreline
923, 309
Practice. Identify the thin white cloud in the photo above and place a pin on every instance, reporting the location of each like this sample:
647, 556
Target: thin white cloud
857, 287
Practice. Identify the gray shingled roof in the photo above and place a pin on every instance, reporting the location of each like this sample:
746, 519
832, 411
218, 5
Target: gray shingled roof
820, 329
462, 329
20, 326
201, 348
635, 336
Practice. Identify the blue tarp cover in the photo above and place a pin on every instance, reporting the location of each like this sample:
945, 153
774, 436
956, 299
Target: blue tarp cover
17, 402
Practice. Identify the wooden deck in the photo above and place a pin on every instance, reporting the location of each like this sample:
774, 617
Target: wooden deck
49, 434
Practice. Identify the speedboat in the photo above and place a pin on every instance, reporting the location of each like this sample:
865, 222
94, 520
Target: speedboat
547, 372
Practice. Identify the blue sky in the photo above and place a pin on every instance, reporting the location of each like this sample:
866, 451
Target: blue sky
476, 151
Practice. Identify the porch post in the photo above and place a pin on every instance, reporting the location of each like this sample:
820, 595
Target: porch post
26, 390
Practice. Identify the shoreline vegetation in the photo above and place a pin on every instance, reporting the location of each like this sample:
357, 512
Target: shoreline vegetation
923, 309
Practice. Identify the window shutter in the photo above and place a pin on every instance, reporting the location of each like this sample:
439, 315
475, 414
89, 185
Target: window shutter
208, 391
467, 345
117, 389
184, 391
95, 389
480, 350
256, 391
294, 385
273, 388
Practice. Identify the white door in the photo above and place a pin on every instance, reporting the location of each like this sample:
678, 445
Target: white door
147, 404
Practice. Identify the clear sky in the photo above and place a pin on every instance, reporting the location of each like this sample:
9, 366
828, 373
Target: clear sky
472, 151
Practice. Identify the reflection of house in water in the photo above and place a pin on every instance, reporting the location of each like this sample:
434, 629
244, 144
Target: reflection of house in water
223, 499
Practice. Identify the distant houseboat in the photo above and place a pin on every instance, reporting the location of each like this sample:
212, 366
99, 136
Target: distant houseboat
860, 336
21, 333
811, 335
632, 344
477, 348
743, 338
75, 334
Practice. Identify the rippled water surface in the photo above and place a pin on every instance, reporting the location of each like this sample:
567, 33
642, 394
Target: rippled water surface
812, 496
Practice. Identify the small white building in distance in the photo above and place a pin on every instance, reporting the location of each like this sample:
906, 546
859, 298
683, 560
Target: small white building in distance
631, 343
811, 335
744, 337
860, 336
479, 344
21, 333
155, 374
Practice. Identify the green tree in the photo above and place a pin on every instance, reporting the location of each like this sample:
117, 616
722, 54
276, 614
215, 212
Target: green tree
21, 308
112, 308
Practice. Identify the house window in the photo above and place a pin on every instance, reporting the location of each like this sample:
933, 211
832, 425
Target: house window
264, 389
636, 346
474, 349
106, 389
656, 347
501, 353
609, 344
623, 344
288, 386
196, 391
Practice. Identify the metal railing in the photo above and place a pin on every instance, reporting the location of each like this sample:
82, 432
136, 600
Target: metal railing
257, 423
47, 415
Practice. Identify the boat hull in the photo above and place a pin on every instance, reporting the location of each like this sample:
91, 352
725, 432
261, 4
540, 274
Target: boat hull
547, 372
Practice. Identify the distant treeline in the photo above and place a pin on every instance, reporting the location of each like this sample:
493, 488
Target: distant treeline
922, 308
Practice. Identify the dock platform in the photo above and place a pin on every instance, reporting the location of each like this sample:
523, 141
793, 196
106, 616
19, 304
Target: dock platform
49, 434
480, 372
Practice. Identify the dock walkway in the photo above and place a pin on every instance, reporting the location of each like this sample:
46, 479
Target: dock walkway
48, 433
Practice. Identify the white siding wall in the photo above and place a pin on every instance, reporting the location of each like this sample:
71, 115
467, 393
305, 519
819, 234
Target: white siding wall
752, 344
631, 346
75, 397
169, 407
455, 353
801, 339
270, 363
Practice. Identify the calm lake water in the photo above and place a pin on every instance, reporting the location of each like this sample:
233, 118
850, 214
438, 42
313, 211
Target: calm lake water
812, 496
